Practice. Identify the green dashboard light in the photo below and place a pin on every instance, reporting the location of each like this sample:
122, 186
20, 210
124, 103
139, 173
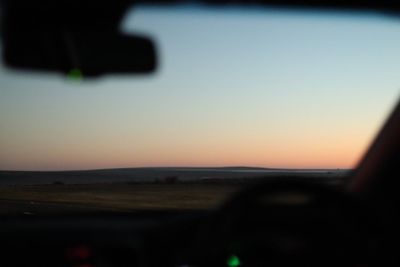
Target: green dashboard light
75, 75
233, 261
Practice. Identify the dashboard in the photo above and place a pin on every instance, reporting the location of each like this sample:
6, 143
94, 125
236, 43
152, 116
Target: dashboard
277, 223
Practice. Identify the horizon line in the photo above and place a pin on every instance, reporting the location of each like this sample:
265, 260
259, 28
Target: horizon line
182, 167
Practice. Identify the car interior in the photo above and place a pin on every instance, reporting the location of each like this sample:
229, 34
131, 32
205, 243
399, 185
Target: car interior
274, 222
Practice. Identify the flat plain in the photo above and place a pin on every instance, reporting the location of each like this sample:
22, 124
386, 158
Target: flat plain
125, 190
124, 197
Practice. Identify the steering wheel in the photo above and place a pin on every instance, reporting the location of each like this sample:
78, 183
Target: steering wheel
287, 222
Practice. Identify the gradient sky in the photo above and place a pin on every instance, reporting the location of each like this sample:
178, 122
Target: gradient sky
256, 88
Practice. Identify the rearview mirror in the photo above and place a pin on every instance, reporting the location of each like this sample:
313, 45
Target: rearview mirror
84, 53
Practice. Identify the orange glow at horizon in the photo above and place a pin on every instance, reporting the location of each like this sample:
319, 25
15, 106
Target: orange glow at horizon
308, 152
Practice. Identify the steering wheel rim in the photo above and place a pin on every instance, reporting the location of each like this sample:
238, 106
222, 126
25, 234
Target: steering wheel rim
289, 221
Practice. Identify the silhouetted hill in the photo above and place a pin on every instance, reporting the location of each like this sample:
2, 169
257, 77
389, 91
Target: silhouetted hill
150, 175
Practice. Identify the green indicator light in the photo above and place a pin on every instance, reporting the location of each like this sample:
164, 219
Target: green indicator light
75, 75
233, 261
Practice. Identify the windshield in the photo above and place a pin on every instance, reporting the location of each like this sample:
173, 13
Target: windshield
238, 94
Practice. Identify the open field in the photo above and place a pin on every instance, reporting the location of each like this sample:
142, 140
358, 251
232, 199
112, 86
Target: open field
138, 188
124, 197
158, 175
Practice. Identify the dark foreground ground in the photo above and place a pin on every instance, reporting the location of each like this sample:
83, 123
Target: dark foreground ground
128, 190
157, 175
34, 208
126, 197
32, 200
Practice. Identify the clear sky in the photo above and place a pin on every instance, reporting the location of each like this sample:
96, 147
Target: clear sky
256, 88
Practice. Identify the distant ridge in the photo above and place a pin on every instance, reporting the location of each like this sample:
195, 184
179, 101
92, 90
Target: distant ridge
227, 168
123, 169
244, 168
184, 168
151, 175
